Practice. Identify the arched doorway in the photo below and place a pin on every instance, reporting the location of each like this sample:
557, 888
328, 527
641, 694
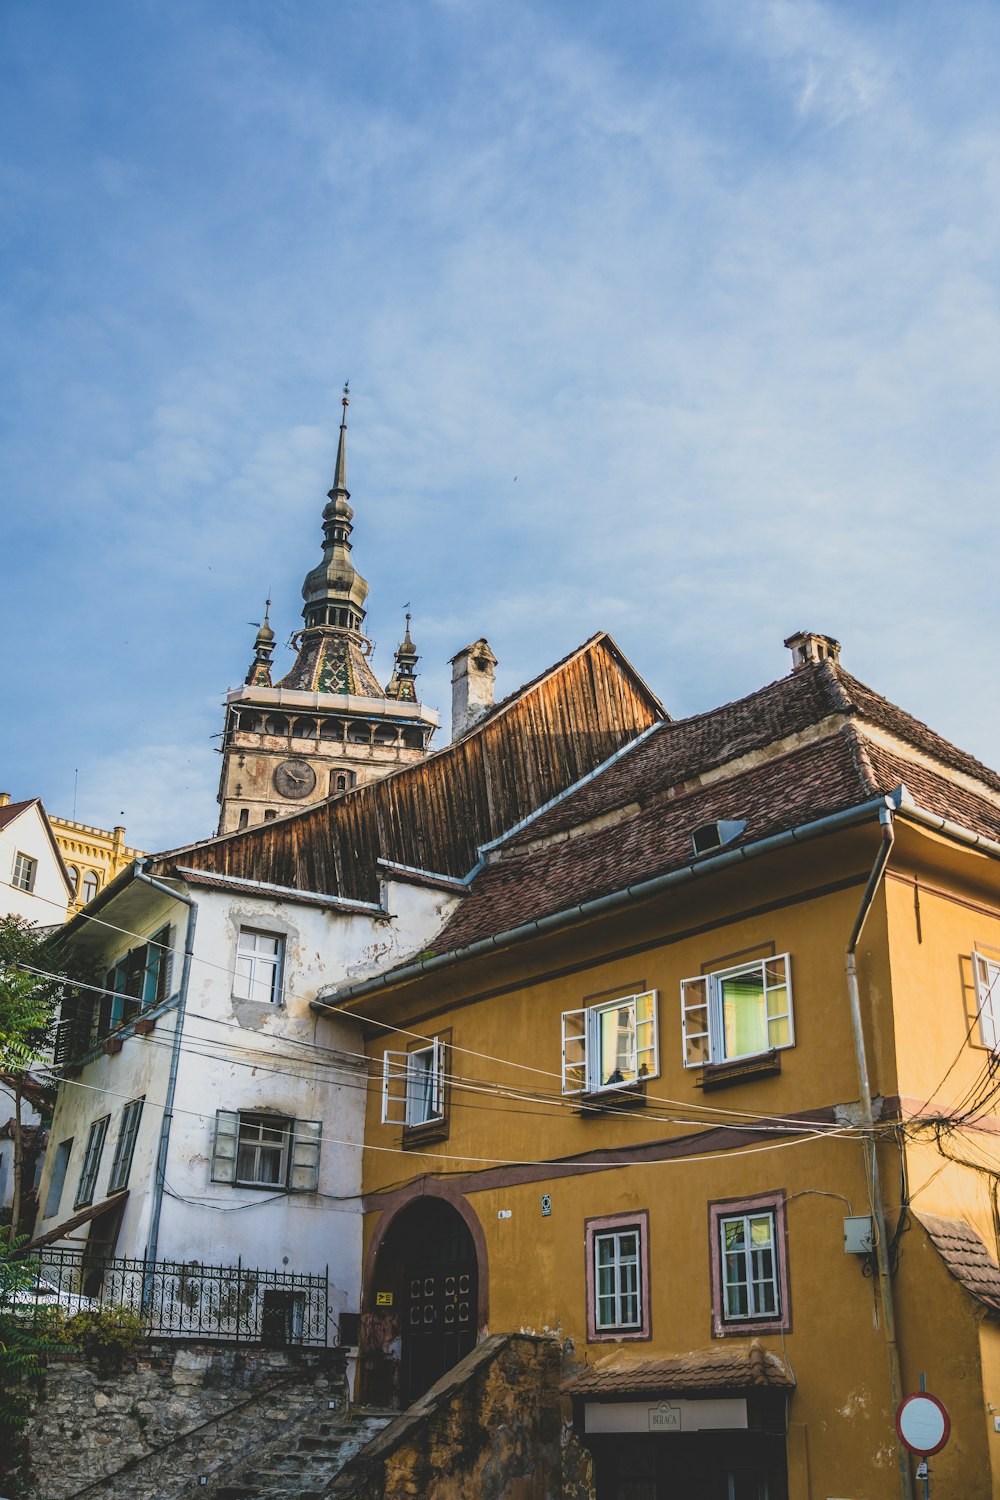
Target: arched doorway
420, 1313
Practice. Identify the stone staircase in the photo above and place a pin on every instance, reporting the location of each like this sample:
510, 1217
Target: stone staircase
306, 1460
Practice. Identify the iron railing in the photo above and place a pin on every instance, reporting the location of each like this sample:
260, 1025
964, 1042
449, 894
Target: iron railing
186, 1300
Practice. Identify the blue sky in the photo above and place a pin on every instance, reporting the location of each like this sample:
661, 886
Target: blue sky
677, 318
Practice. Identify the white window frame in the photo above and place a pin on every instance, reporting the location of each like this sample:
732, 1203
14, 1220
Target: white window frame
57, 1179
254, 968
703, 1027
89, 886
25, 869
626, 1276
987, 976
754, 1312
583, 1062
300, 1150
406, 1100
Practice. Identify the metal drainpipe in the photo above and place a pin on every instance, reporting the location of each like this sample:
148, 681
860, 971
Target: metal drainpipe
870, 1149
159, 1176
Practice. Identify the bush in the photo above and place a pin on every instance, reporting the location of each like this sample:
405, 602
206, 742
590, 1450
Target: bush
107, 1334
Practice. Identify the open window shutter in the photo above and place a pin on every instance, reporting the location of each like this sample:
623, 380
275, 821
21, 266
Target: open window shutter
574, 1051
304, 1174
647, 1051
437, 1097
987, 999
394, 1076
227, 1136
694, 1019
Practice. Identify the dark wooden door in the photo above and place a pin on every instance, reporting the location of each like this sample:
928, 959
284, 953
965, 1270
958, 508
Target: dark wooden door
439, 1315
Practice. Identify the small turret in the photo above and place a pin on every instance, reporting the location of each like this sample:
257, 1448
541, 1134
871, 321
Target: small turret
402, 683
259, 674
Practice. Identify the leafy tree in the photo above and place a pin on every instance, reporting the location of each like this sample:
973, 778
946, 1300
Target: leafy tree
28, 1001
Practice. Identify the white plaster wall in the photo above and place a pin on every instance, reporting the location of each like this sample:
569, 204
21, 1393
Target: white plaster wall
246, 1055
46, 903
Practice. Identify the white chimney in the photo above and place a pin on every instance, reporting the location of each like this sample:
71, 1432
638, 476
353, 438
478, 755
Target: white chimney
471, 686
807, 646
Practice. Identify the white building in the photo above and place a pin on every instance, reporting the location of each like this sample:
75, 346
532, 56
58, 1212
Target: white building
34, 881
207, 1115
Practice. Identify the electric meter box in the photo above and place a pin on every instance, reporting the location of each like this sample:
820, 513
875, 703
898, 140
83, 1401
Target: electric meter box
859, 1235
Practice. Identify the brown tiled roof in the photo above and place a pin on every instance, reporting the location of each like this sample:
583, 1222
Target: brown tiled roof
824, 776
728, 1369
966, 1257
686, 749
933, 791
14, 810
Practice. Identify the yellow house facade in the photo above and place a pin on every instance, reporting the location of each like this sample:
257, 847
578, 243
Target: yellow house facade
634, 1097
93, 856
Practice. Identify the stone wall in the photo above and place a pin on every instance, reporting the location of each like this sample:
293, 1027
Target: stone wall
494, 1427
149, 1430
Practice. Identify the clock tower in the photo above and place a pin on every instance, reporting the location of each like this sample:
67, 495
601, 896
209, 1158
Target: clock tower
327, 725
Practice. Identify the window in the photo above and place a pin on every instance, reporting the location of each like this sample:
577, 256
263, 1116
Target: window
738, 1012
24, 872
987, 972
244, 816
413, 1086
258, 966
125, 1148
74, 879
91, 1162
139, 979
59, 1164
266, 1150
749, 1278
88, 890
617, 1278
610, 1045
270, 813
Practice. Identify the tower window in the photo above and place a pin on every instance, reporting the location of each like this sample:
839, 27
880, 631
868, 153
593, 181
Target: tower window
244, 816
269, 813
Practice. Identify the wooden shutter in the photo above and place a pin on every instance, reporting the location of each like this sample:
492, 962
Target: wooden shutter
647, 1050
303, 1176
987, 999
225, 1146
694, 1020
574, 1051
394, 1074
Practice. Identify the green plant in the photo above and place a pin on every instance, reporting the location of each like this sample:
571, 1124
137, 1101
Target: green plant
106, 1332
22, 1352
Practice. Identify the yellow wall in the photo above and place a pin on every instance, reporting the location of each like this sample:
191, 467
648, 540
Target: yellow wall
804, 903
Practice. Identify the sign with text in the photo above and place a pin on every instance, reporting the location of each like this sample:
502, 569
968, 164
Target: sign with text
665, 1418
383, 1299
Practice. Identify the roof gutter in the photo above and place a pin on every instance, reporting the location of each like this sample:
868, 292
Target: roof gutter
603, 904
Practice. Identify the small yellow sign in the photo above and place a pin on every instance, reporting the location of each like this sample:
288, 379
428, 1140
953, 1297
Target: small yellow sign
383, 1299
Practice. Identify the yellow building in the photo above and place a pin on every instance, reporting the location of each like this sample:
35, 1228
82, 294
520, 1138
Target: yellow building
93, 857
702, 1075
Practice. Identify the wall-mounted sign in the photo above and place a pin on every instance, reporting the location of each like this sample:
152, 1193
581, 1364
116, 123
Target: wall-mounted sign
923, 1424
383, 1299
664, 1418
546, 1205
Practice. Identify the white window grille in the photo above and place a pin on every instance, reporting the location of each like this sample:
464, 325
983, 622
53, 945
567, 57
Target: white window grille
258, 966
413, 1086
750, 1281
24, 872
738, 1012
617, 1280
610, 1045
987, 972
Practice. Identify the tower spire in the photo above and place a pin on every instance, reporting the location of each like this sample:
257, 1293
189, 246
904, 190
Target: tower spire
339, 486
402, 683
259, 674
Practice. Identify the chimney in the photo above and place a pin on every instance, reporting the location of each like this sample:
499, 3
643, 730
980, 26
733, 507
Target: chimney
4, 799
807, 646
471, 686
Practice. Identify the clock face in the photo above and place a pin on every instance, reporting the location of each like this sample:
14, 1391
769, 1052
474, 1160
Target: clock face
294, 778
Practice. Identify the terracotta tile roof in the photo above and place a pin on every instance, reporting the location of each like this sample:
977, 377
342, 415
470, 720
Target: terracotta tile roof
727, 1369
869, 705
966, 1257
933, 791
822, 777
14, 810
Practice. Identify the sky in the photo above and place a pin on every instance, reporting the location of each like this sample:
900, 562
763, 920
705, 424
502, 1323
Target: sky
673, 318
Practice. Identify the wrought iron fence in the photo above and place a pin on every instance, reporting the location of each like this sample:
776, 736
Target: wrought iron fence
185, 1300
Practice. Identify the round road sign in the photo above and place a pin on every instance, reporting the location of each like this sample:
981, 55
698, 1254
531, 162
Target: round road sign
923, 1424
